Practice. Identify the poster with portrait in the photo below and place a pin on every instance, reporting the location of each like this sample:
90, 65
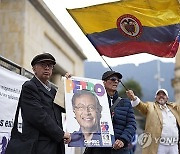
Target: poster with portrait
87, 113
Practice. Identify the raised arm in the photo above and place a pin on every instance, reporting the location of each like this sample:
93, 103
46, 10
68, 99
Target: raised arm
137, 103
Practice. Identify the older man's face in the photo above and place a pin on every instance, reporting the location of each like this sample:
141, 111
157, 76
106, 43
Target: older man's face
161, 98
111, 84
43, 70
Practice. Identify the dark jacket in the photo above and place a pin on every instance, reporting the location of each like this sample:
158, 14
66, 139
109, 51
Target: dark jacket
124, 123
41, 117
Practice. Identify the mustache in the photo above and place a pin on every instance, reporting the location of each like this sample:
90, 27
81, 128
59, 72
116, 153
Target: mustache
161, 97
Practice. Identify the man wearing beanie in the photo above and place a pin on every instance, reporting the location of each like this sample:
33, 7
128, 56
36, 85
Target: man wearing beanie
42, 120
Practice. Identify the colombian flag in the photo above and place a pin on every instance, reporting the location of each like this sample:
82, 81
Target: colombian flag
129, 27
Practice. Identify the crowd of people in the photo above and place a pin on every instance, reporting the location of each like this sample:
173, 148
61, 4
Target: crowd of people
42, 118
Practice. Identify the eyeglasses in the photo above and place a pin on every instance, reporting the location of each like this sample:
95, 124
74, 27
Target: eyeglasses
44, 65
82, 108
114, 79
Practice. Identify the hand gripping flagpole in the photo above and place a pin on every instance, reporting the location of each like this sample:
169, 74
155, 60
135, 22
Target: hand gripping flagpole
112, 70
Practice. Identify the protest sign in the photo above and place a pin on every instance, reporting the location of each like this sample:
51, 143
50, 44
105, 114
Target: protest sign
87, 113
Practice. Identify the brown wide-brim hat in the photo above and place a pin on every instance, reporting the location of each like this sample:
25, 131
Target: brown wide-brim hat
107, 74
43, 57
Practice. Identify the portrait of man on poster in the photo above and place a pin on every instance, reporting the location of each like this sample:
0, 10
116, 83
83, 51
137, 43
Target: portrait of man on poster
91, 118
87, 110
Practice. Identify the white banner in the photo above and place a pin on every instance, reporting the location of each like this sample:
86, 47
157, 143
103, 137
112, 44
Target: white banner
10, 88
88, 118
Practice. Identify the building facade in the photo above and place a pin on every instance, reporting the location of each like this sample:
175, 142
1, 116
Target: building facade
28, 28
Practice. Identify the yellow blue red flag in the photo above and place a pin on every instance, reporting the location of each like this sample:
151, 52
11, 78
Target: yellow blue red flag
129, 27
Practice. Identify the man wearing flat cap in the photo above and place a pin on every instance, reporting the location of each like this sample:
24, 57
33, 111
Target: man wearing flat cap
42, 118
162, 123
123, 118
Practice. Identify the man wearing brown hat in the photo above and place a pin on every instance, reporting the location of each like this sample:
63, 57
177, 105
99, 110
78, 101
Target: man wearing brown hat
123, 118
41, 117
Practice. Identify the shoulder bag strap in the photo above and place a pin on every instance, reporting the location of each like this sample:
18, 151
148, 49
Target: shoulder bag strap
14, 130
16, 115
15, 125
115, 104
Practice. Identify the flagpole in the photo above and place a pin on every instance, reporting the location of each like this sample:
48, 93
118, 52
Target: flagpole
112, 70
107, 64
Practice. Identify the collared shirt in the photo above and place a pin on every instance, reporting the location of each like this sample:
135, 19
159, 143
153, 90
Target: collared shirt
111, 97
169, 127
163, 107
48, 86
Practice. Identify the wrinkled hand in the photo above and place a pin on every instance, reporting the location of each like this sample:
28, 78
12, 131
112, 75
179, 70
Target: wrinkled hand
67, 75
131, 95
118, 144
67, 137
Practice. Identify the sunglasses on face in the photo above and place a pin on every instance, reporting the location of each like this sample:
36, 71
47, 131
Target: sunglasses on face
114, 79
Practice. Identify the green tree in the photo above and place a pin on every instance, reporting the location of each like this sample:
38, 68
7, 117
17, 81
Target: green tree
133, 85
